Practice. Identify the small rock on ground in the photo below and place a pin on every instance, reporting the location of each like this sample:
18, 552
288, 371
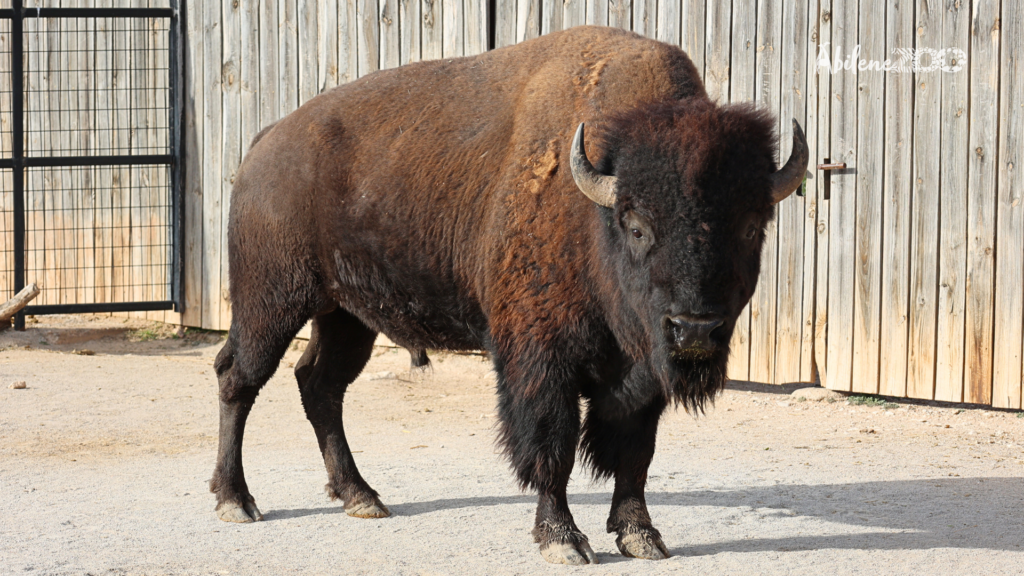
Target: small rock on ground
817, 394
19, 385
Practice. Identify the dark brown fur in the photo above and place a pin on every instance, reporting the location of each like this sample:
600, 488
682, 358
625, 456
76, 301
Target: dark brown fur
434, 203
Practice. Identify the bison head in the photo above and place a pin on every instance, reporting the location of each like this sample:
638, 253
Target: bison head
687, 189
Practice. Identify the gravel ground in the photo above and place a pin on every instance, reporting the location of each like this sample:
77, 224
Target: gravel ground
105, 455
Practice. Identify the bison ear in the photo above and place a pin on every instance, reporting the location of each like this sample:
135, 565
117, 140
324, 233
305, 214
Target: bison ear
598, 187
787, 179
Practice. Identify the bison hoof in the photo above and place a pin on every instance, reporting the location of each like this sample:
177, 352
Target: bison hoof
568, 553
371, 509
644, 543
242, 513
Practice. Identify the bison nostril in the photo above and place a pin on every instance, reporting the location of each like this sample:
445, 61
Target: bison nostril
693, 332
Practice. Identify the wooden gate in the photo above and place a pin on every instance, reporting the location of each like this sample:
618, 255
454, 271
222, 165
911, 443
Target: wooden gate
919, 283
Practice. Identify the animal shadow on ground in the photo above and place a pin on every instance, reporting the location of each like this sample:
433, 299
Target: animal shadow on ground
968, 513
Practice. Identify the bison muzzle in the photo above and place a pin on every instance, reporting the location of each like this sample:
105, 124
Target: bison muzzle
575, 205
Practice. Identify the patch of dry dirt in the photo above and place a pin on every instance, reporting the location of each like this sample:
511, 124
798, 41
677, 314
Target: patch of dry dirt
104, 459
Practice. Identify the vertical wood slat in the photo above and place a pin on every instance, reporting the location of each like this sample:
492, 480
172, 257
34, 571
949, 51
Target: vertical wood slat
668, 21
807, 82
574, 13
645, 17
214, 250
981, 203
231, 146
691, 29
1009, 297
597, 12
842, 207
949, 352
870, 126
740, 73
717, 50
193, 192
527, 20
388, 25
551, 16
476, 27
791, 307
348, 41
432, 29
897, 178
508, 16
620, 13
327, 47
368, 34
765, 44
453, 18
409, 18
925, 211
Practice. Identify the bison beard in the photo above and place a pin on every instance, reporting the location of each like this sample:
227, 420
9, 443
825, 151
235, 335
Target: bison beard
448, 205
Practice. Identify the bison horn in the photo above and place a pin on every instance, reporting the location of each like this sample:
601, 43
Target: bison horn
598, 187
788, 178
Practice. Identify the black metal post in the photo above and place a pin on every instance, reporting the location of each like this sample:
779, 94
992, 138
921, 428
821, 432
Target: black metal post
177, 130
18, 152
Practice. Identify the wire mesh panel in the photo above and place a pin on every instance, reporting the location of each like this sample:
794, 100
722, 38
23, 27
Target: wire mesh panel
98, 233
89, 156
96, 86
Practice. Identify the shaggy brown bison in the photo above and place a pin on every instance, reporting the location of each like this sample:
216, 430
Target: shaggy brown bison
458, 204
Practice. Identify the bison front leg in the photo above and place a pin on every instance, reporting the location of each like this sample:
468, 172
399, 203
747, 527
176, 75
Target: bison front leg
621, 445
540, 431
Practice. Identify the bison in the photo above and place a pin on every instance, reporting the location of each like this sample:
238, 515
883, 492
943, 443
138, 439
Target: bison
575, 205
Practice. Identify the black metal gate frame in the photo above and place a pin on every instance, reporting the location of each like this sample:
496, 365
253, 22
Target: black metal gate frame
18, 162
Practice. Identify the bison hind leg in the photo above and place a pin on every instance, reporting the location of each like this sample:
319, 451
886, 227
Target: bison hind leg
338, 349
257, 341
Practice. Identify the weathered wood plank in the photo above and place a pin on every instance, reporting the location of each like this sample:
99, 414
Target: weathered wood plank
806, 16
897, 178
453, 17
620, 14
477, 32
409, 20
740, 81
767, 77
192, 235
327, 43
390, 40
348, 41
308, 54
949, 353
1009, 331
867, 252
432, 29
645, 17
527, 20
212, 129
597, 12
288, 45
841, 275
979, 314
368, 36
550, 16
669, 21
718, 50
691, 29
925, 212
231, 134
793, 311
506, 15
574, 13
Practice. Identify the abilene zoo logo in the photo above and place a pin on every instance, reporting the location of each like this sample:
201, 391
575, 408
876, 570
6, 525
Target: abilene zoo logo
908, 60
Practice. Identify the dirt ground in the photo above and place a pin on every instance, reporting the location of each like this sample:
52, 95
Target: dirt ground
105, 456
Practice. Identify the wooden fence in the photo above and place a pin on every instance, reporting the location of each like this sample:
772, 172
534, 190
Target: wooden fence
901, 275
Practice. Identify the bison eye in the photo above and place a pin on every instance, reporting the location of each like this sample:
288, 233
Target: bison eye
637, 234
751, 232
